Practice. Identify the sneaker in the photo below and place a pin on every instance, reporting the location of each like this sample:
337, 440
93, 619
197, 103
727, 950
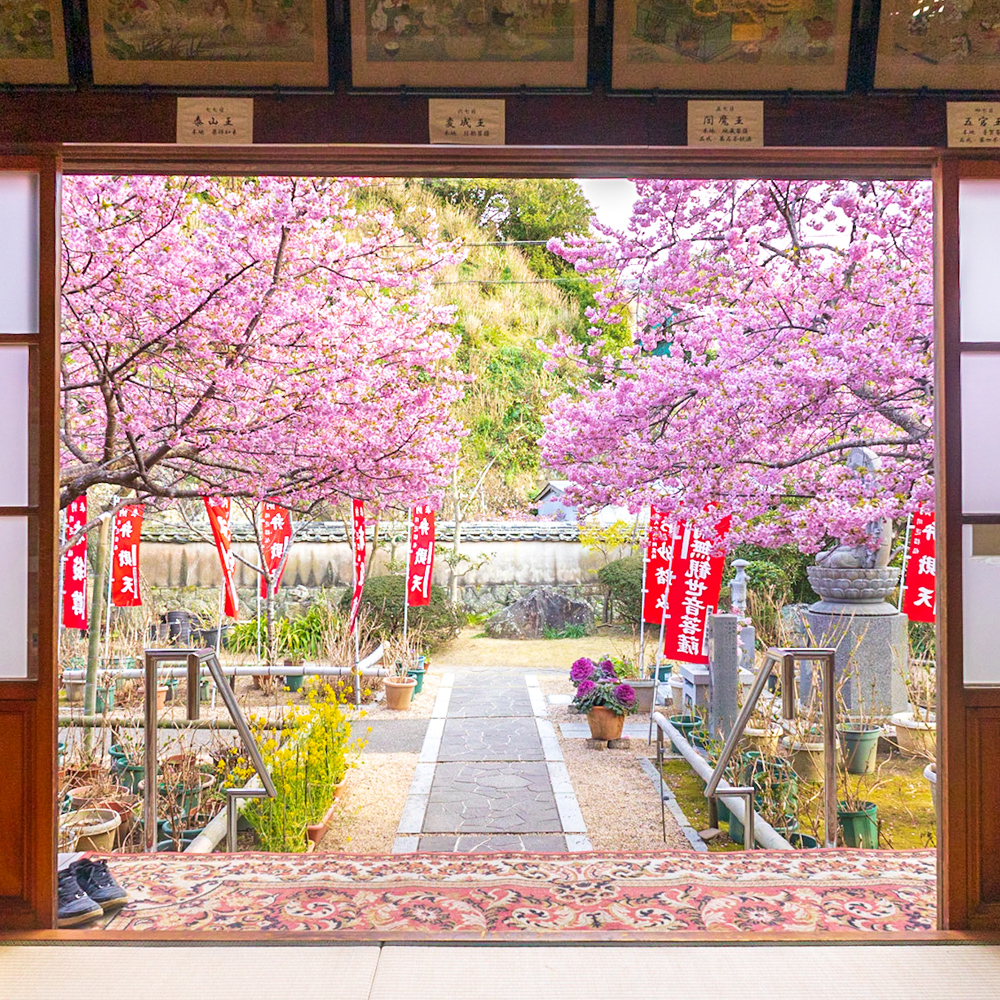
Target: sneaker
99, 884
75, 906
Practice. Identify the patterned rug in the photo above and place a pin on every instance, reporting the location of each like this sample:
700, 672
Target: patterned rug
429, 895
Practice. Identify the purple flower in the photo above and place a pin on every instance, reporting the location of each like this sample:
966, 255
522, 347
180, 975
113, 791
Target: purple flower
581, 670
625, 693
585, 688
607, 667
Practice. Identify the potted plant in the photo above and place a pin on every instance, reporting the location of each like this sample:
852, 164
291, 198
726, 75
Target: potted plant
399, 685
860, 746
644, 687
602, 697
916, 730
858, 821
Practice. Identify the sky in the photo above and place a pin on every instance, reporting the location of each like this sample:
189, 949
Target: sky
612, 200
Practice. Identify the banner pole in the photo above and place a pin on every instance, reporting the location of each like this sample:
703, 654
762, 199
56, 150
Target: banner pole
406, 580
642, 598
906, 559
62, 581
666, 595
111, 573
357, 633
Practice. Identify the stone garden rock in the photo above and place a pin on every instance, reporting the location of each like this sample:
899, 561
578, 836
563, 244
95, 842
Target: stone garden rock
544, 608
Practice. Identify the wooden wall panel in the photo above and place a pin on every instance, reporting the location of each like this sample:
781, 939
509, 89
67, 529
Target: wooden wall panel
14, 742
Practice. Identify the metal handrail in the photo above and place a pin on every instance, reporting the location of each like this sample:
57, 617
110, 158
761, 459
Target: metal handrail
789, 710
194, 658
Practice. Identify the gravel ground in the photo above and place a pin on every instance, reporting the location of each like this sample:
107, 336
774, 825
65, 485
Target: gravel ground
370, 806
619, 802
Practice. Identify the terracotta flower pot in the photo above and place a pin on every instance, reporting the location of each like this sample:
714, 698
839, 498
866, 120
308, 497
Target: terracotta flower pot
398, 692
605, 724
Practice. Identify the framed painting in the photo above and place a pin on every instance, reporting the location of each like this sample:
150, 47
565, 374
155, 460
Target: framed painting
469, 43
209, 43
945, 46
731, 45
32, 42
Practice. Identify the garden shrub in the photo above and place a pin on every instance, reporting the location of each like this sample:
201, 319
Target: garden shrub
623, 578
382, 606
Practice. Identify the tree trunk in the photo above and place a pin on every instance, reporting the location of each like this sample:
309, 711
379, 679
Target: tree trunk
453, 569
96, 617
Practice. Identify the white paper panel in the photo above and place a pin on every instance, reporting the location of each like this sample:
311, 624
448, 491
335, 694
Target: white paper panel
18, 252
14, 598
980, 597
981, 433
14, 424
979, 253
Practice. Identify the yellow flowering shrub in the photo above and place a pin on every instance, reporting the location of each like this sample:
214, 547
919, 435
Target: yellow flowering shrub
306, 761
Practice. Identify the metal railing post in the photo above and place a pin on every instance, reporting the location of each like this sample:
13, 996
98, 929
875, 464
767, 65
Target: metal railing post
150, 779
789, 694
830, 749
193, 685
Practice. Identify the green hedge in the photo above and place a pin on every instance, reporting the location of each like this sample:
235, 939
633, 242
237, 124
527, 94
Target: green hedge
382, 606
623, 578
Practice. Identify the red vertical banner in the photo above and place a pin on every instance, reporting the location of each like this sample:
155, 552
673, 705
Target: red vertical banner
74, 609
693, 594
125, 557
920, 582
420, 566
657, 556
358, 534
219, 510
276, 536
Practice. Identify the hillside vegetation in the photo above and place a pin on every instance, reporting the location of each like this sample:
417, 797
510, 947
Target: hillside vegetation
507, 298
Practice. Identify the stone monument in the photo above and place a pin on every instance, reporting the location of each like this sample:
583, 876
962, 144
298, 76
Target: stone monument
853, 616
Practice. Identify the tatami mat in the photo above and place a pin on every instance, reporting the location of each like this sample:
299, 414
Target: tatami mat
115, 972
769, 972
485, 972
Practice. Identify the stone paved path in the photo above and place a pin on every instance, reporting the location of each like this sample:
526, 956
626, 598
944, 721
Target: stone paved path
491, 776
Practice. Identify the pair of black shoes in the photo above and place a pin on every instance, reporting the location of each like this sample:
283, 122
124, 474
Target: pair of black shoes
87, 890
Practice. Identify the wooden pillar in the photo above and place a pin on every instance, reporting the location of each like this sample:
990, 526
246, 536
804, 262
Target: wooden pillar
29, 415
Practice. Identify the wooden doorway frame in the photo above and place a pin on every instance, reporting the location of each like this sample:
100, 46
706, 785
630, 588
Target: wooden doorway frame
968, 847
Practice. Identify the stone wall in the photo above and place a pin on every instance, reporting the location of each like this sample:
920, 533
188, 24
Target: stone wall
505, 562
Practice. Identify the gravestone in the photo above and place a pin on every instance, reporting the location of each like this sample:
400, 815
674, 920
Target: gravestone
544, 608
723, 668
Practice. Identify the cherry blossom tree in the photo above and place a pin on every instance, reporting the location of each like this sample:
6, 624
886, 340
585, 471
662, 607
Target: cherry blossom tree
252, 338
779, 326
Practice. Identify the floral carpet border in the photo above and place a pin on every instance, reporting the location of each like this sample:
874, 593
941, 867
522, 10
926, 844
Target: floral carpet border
759, 891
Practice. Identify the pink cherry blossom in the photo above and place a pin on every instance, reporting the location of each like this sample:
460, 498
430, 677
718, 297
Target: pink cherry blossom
799, 322
255, 338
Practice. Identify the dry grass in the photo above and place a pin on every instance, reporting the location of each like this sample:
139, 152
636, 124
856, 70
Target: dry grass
370, 806
466, 650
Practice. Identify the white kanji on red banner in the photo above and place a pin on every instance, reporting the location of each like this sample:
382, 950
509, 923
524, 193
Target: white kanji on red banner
658, 566
920, 591
276, 536
74, 610
358, 533
420, 565
693, 594
219, 510
125, 557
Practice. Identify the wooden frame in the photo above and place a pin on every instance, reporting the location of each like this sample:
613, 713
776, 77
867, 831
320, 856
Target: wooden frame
42, 60
213, 49
969, 840
968, 768
919, 46
506, 45
28, 707
730, 46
